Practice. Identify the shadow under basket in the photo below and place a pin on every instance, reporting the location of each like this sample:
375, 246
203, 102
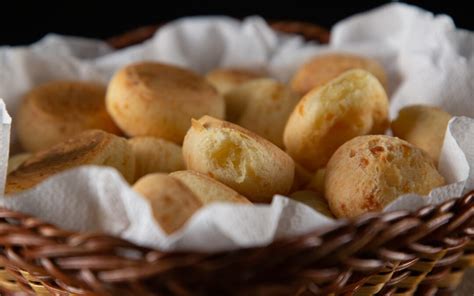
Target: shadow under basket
398, 253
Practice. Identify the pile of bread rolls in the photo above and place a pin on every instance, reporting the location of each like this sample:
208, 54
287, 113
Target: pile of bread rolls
185, 140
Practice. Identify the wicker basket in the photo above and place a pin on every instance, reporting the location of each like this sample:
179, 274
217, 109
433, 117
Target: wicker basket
399, 253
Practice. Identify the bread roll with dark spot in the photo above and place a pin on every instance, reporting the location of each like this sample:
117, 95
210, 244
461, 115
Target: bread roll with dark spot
369, 172
93, 147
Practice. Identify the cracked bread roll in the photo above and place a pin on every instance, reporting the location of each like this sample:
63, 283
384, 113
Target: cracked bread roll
93, 147
242, 160
159, 100
225, 79
16, 160
423, 126
58, 110
153, 155
351, 105
368, 172
207, 189
172, 203
323, 68
265, 105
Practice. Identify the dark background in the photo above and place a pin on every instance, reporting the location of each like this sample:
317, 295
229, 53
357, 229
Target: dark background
22, 22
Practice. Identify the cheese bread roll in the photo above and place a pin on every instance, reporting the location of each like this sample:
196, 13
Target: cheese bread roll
242, 160
153, 155
171, 202
369, 172
265, 105
207, 189
351, 105
58, 110
159, 100
225, 79
423, 126
93, 147
324, 68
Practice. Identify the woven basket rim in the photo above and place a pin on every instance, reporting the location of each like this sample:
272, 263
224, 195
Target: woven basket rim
365, 245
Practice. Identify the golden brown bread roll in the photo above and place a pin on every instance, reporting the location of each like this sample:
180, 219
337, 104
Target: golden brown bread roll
351, 105
16, 160
58, 110
225, 79
94, 147
242, 160
153, 99
172, 203
207, 189
423, 126
314, 200
154, 155
262, 106
368, 172
323, 68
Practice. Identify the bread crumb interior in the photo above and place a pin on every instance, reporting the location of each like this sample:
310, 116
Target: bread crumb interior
232, 154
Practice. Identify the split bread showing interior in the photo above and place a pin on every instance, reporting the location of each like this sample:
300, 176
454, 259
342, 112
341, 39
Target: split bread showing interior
93, 147
241, 159
353, 104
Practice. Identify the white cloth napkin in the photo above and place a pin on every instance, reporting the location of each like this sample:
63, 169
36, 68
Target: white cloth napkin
427, 58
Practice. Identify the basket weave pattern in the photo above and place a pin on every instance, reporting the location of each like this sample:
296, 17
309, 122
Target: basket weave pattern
397, 253
394, 253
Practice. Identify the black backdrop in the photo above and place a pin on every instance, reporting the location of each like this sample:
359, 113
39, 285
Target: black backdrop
22, 22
